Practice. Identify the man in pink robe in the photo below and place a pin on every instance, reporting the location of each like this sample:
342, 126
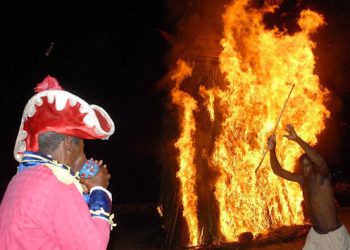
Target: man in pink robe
44, 206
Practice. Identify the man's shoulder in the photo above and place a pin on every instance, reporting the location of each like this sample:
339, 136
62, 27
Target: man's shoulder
29, 186
39, 177
37, 183
39, 173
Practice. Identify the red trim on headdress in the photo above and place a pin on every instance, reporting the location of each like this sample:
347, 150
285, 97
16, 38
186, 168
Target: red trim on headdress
49, 83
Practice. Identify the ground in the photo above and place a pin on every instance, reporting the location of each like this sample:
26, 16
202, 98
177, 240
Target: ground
137, 230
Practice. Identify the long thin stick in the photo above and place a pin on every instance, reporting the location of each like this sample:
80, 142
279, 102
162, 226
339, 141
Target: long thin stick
173, 226
274, 130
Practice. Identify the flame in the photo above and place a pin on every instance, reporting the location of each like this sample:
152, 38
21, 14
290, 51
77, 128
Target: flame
160, 210
260, 66
209, 98
187, 169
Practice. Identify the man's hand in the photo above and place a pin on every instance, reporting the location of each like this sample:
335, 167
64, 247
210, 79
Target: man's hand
292, 135
271, 144
100, 179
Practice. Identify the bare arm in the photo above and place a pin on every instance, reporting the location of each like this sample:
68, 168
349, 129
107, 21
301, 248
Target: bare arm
320, 163
275, 165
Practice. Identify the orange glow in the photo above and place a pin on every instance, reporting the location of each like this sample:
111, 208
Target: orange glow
259, 66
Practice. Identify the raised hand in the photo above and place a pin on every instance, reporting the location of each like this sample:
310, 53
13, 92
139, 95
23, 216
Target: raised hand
292, 135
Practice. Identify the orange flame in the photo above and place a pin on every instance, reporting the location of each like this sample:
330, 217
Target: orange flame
187, 169
209, 98
259, 66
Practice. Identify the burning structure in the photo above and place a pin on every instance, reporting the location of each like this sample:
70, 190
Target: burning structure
229, 82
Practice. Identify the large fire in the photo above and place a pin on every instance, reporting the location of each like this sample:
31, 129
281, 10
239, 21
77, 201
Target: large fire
259, 66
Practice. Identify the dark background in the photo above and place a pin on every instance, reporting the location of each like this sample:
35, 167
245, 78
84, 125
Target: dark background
115, 56
111, 56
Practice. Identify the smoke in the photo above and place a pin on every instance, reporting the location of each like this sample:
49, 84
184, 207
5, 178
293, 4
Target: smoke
194, 19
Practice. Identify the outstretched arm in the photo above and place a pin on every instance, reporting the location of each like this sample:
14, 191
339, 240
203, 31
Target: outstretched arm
320, 163
275, 165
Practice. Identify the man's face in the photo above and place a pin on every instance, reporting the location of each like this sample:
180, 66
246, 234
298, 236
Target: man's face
78, 156
306, 166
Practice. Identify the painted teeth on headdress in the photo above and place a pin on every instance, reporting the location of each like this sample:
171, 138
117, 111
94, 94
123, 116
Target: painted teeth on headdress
38, 101
61, 101
72, 101
50, 98
22, 134
89, 120
30, 111
22, 146
83, 109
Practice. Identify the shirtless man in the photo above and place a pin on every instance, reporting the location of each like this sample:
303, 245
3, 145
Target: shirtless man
315, 180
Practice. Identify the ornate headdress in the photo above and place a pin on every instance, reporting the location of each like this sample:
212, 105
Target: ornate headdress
54, 109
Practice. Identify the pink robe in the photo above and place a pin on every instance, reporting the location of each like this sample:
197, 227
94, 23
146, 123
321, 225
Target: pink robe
40, 212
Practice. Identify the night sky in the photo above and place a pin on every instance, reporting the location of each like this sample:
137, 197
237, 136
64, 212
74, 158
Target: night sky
111, 57
115, 56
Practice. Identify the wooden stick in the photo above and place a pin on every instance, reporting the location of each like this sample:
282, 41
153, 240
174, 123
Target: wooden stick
274, 130
173, 226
